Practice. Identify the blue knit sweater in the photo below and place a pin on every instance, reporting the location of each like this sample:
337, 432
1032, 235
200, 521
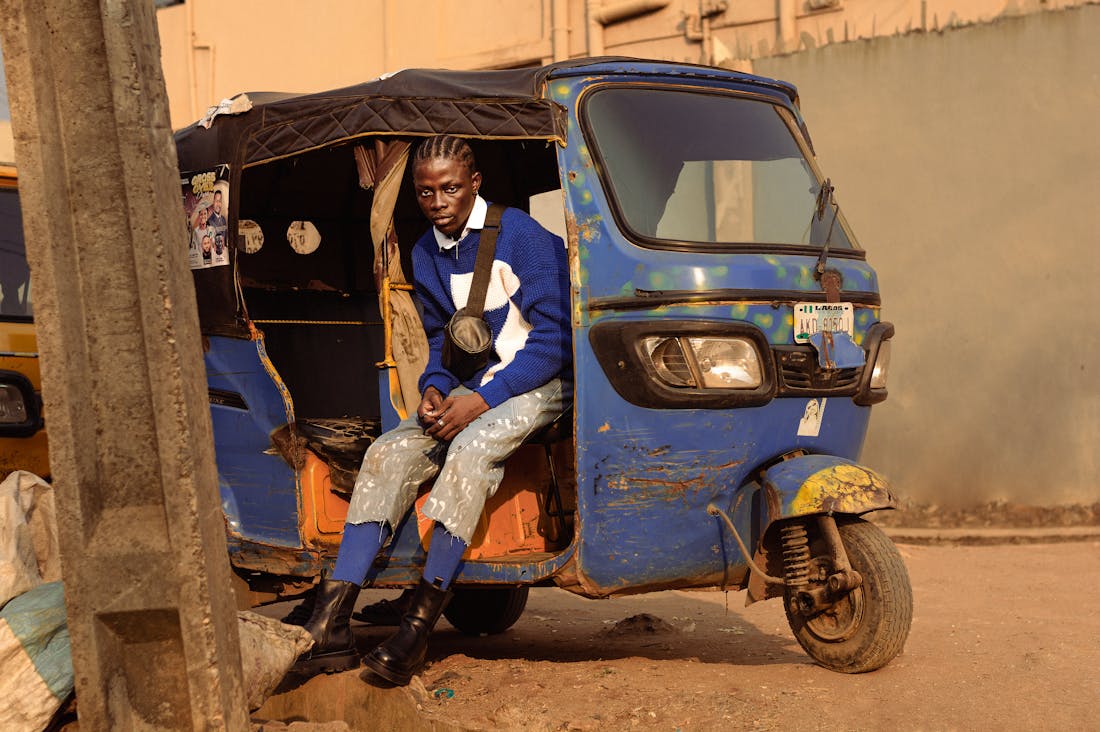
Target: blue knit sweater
526, 306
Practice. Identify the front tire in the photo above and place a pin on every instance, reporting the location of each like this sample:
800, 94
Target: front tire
486, 611
866, 628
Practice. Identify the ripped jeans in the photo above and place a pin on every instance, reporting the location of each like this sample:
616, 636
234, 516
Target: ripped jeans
467, 471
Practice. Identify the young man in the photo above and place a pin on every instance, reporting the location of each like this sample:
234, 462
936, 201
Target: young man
463, 431
217, 220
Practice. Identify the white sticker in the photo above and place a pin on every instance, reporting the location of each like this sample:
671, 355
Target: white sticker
810, 424
252, 235
303, 237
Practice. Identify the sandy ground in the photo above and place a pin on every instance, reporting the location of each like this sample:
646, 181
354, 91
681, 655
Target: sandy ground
1003, 637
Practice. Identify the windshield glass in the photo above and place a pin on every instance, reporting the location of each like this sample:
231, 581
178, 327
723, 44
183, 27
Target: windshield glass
15, 275
708, 168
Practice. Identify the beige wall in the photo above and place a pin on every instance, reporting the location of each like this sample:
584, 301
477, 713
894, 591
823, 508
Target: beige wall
287, 45
968, 163
213, 49
7, 143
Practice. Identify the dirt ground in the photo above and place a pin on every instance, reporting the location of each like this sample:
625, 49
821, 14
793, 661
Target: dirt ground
1003, 637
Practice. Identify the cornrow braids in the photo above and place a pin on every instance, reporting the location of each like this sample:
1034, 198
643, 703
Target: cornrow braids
447, 147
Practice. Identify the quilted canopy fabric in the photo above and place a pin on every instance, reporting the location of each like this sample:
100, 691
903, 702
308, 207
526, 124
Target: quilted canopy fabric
502, 104
495, 104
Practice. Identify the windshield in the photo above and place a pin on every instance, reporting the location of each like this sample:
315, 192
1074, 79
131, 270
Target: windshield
15, 275
708, 168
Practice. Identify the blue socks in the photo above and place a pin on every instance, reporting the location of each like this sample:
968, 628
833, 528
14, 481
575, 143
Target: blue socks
444, 557
358, 548
362, 542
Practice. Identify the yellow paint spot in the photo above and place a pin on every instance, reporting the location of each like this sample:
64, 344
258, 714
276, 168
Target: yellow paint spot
805, 279
846, 488
605, 427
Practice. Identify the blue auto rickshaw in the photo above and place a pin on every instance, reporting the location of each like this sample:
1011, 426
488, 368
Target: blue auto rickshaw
727, 335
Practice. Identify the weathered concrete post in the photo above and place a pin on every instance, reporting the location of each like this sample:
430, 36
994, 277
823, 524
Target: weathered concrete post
147, 581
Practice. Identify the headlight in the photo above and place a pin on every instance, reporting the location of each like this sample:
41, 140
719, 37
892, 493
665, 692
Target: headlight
13, 410
708, 363
882, 366
20, 415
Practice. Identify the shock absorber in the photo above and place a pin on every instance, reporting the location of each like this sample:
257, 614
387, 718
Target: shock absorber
796, 556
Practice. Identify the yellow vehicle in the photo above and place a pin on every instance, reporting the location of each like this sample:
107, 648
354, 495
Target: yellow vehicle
22, 432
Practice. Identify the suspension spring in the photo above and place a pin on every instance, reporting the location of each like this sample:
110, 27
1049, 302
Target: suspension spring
796, 555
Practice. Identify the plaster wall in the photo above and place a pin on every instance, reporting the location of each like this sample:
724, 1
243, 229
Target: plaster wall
213, 49
967, 162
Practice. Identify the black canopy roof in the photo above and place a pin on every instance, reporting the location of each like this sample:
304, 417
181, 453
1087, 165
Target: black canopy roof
498, 104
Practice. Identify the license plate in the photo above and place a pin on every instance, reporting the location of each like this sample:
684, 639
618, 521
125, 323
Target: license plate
817, 317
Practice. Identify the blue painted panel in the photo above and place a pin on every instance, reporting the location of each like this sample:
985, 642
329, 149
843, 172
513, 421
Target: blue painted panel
646, 476
259, 490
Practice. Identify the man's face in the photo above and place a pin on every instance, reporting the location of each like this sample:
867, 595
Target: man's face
446, 190
204, 215
217, 202
207, 243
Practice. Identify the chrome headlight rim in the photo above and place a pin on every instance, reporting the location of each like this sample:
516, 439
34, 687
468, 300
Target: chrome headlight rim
619, 348
687, 361
32, 421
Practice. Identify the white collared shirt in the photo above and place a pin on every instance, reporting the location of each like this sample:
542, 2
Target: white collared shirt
476, 221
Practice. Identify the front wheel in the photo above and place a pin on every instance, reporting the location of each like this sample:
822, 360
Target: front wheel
486, 611
867, 627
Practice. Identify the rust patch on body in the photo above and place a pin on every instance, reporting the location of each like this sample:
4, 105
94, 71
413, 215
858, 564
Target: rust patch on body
571, 231
637, 489
589, 228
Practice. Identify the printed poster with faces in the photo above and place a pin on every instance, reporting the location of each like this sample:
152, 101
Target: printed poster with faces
206, 203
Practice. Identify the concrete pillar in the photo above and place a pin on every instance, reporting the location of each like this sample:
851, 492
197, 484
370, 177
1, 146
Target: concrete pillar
147, 581
559, 23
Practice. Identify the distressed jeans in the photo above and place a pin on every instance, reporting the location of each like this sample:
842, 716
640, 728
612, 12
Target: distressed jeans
467, 471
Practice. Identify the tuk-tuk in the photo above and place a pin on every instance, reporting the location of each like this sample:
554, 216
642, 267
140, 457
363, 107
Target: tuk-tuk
727, 341
23, 443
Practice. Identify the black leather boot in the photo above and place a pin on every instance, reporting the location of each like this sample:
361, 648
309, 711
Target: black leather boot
333, 644
403, 654
303, 611
385, 612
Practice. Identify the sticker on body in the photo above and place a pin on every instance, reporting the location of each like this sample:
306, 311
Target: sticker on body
810, 424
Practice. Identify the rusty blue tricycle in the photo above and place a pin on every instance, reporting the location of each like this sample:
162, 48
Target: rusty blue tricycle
728, 344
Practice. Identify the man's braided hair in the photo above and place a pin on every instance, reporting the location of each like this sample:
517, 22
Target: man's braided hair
447, 147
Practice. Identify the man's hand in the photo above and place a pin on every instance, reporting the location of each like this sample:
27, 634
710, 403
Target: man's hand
428, 411
455, 414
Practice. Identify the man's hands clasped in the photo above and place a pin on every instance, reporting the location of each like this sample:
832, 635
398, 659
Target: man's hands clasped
444, 417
